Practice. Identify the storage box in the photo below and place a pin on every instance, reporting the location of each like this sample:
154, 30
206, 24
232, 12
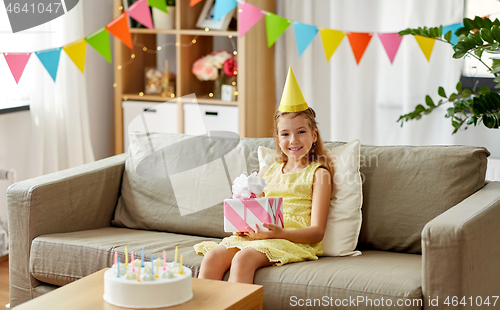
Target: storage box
245, 212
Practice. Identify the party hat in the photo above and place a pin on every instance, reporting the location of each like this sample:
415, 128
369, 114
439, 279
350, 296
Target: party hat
292, 99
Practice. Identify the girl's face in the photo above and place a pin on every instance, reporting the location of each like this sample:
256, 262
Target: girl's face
295, 136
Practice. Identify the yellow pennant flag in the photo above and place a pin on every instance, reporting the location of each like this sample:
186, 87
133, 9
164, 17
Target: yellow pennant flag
331, 40
77, 51
426, 45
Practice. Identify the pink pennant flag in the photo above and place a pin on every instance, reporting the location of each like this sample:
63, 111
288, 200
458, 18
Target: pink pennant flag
249, 15
17, 63
391, 42
141, 13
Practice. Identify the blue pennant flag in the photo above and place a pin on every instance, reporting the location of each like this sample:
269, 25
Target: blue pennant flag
453, 28
222, 7
304, 34
50, 60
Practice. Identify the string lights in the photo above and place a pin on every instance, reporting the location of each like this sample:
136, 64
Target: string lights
159, 48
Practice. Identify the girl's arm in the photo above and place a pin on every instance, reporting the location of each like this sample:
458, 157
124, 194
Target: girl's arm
319, 215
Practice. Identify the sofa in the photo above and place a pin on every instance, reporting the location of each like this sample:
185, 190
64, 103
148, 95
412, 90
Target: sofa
429, 234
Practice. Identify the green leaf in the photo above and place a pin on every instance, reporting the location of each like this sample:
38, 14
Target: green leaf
495, 31
470, 120
419, 108
441, 92
450, 112
429, 102
432, 33
459, 54
479, 52
467, 92
475, 38
453, 97
484, 90
497, 79
459, 87
448, 35
440, 30
469, 24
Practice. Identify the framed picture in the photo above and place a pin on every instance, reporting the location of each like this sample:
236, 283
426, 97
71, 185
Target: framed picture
206, 19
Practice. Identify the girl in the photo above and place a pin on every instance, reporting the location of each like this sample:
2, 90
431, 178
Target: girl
302, 175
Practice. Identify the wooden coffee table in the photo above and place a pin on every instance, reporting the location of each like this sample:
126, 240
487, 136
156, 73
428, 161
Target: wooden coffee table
87, 293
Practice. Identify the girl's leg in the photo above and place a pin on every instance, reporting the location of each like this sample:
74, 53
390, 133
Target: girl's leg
216, 262
245, 263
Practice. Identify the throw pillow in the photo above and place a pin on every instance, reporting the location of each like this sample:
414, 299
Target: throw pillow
344, 218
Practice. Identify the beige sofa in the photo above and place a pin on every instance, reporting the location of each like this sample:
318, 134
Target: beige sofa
430, 230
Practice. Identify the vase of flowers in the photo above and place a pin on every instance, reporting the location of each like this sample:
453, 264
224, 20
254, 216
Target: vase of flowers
220, 67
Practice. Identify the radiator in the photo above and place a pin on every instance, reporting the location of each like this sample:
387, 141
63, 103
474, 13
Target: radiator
493, 170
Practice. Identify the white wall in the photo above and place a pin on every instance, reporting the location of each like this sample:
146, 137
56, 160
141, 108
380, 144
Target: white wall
15, 127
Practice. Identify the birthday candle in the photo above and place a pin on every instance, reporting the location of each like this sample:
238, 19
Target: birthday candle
126, 257
176, 248
164, 259
152, 265
142, 258
116, 256
181, 271
139, 274
132, 257
118, 268
157, 266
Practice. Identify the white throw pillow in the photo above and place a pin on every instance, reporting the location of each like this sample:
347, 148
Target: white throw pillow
344, 217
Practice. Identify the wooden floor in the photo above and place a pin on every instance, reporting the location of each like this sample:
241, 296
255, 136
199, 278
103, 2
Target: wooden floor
4, 282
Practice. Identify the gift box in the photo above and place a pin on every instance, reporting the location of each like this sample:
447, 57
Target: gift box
240, 213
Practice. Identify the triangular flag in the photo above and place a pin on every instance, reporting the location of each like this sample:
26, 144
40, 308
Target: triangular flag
141, 13
304, 34
17, 63
194, 2
120, 29
99, 40
453, 28
50, 60
391, 42
159, 4
331, 40
77, 52
249, 15
275, 27
359, 41
222, 7
426, 45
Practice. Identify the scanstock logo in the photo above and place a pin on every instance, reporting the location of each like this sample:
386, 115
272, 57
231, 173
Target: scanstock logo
26, 14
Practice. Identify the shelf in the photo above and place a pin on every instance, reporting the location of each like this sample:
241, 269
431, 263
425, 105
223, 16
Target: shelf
202, 100
196, 32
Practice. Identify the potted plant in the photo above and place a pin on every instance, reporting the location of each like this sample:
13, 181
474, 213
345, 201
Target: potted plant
468, 106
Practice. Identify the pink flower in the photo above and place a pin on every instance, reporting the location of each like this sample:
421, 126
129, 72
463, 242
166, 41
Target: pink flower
230, 66
220, 57
204, 71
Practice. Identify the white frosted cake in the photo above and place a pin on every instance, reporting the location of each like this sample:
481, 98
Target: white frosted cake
153, 290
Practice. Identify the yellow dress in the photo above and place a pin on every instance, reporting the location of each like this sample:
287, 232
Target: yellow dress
296, 190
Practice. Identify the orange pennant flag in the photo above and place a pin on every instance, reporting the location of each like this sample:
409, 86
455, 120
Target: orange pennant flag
359, 41
119, 28
194, 2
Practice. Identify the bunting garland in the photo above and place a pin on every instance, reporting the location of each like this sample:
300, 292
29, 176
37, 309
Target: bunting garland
248, 16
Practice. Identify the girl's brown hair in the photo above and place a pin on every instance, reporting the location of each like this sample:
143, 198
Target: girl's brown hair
317, 153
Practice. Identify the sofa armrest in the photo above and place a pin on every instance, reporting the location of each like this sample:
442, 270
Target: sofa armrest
79, 198
461, 251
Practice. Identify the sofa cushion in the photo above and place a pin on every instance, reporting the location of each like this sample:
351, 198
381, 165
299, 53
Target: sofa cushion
65, 257
188, 202
407, 186
344, 217
375, 275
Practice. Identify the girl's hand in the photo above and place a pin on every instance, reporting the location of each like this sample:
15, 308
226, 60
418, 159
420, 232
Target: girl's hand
274, 232
239, 233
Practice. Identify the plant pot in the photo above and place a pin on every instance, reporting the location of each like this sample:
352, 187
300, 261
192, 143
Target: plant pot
163, 20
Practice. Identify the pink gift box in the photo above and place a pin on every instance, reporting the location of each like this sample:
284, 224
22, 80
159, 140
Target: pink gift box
245, 212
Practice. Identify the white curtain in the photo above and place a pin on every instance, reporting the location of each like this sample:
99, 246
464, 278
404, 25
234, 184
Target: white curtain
60, 135
364, 101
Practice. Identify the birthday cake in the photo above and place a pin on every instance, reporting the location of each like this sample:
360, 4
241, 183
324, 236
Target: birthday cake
134, 286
